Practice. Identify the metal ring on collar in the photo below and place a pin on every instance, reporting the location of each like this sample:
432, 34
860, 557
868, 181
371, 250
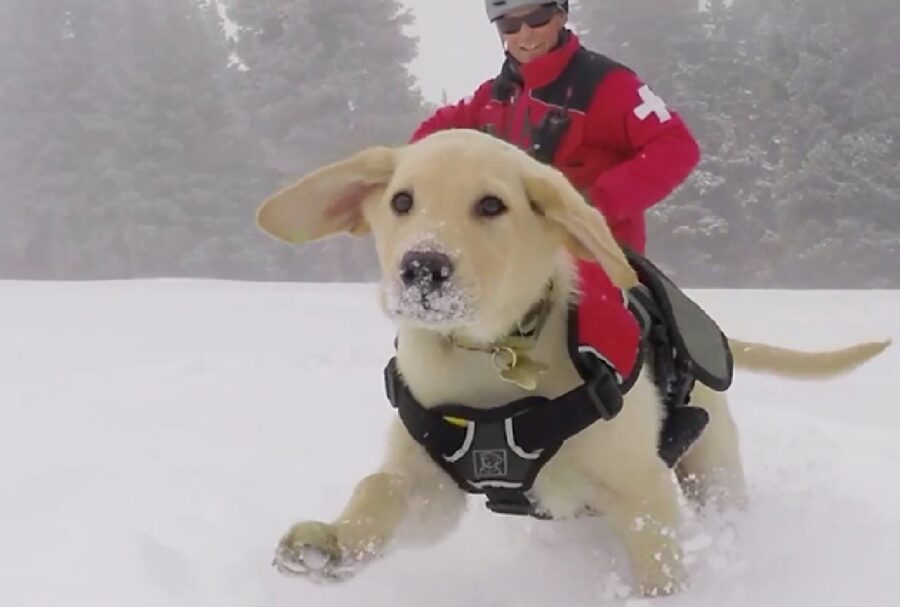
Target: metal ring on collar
496, 358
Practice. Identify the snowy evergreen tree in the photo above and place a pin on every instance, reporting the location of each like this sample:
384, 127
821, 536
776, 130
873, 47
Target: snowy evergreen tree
727, 197
122, 152
323, 80
661, 41
177, 178
136, 140
46, 58
837, 188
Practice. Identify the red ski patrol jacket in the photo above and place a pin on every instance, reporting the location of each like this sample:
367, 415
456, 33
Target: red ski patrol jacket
620, 146
623, 148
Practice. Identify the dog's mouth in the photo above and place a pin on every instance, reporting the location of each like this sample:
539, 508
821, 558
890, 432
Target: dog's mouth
444, 305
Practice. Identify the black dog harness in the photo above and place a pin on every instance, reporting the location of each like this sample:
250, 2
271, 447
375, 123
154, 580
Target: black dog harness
499, 451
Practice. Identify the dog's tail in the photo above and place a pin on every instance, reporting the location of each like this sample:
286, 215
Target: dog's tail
801, 364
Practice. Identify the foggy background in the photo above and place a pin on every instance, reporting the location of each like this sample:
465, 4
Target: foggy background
137, 137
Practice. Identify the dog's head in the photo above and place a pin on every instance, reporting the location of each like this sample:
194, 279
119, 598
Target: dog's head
468, 228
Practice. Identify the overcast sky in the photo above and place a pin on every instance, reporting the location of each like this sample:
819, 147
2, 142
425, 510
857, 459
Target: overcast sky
458, 48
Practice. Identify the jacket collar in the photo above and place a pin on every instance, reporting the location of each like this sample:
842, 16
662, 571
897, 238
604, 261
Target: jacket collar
544, 70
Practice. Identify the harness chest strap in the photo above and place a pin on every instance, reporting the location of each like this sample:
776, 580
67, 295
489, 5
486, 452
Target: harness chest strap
500, 451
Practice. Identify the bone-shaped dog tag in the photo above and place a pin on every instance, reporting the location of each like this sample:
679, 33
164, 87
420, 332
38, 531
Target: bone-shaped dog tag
525, 373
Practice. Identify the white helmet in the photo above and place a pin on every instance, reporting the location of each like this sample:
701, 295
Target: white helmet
497, 8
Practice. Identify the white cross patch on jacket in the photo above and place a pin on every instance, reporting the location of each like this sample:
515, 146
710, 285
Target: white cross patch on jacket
651, 105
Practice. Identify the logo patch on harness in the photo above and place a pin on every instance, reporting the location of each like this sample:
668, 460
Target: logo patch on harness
489, 463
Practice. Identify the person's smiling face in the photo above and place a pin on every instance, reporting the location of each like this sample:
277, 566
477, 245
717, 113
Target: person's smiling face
532, 31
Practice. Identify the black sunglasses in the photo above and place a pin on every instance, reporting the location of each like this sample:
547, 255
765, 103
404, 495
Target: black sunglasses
536, 18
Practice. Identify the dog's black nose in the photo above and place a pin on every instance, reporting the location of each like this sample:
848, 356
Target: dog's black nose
425, 270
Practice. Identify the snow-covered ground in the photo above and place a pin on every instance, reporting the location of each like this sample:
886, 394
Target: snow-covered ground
157, 437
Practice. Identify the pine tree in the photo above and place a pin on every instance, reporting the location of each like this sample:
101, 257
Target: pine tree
324, 80
661, 41
837, 192
122, 158
46, 53
177, 182
731, 182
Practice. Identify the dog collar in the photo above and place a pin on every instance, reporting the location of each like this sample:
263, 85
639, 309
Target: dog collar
509, 354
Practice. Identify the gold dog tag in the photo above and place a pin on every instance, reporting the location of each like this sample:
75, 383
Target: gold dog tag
518, 369
525, 374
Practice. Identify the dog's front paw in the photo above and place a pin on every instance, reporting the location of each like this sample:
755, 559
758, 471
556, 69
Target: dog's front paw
311, 550
652, 590
663, 581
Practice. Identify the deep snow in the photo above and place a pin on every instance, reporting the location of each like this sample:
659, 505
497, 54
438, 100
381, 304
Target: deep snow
157, 437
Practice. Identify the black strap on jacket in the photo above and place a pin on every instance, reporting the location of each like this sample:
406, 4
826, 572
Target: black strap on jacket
573, 89
500, 451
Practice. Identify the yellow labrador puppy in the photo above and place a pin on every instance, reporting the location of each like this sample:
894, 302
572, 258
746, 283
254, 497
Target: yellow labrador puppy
498, 226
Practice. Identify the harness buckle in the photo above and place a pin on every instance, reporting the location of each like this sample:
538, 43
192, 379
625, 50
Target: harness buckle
604, 394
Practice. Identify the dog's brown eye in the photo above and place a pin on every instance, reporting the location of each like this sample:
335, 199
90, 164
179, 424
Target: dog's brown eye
402, 203
490, 206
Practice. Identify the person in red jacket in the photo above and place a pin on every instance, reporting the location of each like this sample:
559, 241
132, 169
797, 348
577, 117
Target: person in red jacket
593, 119
616, 140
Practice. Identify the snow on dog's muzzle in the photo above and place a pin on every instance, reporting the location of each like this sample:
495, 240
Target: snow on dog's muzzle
426, 291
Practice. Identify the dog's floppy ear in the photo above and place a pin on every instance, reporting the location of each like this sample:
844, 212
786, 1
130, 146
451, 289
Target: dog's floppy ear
587, 234
329, 200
